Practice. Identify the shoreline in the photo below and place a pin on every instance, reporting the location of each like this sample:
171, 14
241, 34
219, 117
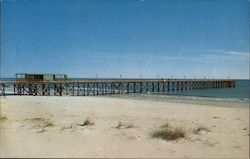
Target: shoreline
189, 99
200, 96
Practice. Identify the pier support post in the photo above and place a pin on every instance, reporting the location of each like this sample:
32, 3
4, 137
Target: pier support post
134, 87
60, 89
14, 89
140, 87
168, 88
43, 89
158, 87
78, 89
96, 89
105, 88
153, 87
3, 89
163, 87
128, 88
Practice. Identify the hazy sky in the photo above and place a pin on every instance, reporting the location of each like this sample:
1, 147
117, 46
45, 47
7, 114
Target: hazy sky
130, 37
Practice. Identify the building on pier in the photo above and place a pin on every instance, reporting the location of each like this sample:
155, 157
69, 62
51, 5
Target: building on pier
40, 77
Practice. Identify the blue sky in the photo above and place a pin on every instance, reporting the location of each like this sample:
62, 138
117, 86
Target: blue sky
191, 38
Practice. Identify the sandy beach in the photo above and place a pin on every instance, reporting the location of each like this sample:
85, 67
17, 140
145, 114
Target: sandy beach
115, 127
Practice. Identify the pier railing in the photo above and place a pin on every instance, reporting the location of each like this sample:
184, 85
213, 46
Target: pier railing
90, 87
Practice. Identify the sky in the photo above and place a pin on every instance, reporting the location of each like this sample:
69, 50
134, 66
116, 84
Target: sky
127, 38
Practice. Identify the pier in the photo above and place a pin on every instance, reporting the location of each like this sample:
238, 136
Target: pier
98, 87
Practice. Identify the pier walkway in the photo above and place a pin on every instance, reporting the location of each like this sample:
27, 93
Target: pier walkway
94, 87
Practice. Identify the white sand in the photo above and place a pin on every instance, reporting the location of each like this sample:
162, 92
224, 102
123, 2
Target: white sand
24, 136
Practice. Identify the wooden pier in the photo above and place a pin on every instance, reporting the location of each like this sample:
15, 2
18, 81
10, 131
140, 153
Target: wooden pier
109, 86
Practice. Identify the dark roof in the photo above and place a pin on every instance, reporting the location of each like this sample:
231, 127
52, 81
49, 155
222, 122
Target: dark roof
40, 74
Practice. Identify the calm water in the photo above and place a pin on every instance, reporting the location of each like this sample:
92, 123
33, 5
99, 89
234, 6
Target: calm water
241, 91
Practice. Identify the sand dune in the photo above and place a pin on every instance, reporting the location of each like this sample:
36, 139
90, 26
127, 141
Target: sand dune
114, 127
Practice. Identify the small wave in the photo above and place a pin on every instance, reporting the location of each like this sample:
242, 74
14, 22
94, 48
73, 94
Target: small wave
195, 97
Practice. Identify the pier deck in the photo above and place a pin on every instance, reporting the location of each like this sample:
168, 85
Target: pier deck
92, 87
